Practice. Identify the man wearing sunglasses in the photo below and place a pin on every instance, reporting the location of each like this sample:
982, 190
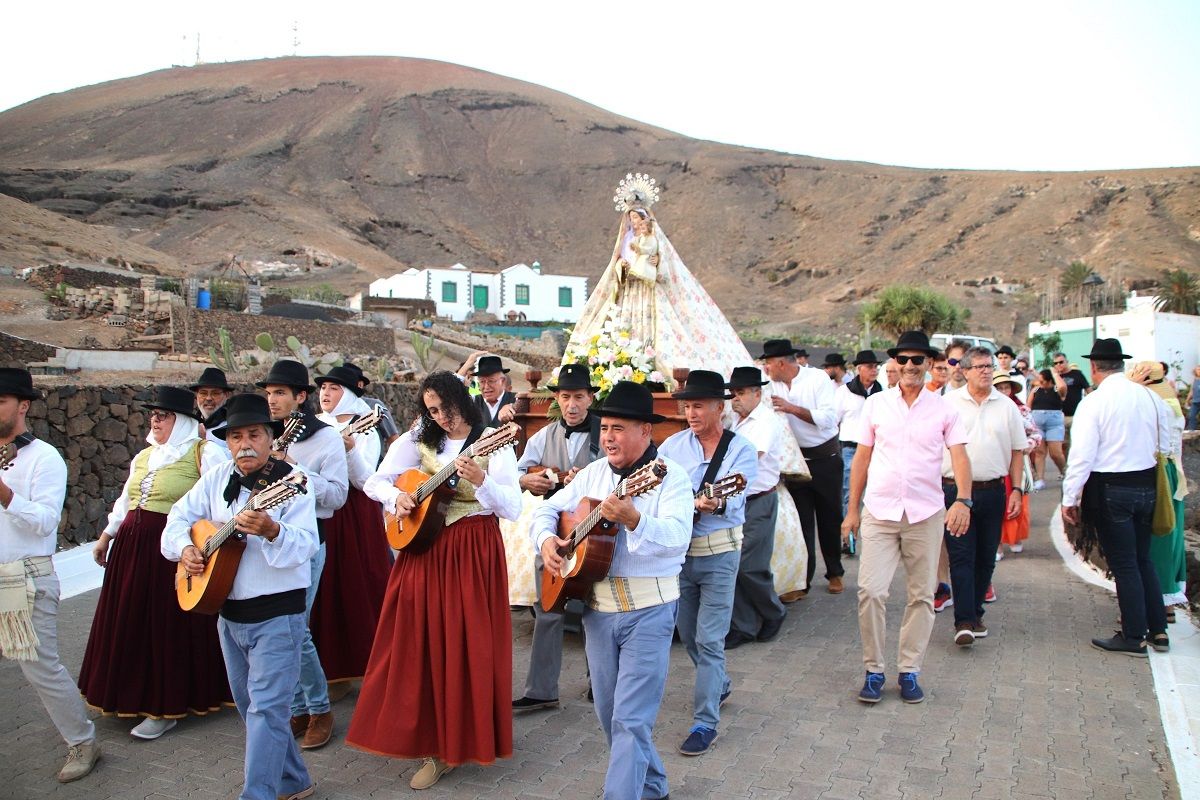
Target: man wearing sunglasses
954, 358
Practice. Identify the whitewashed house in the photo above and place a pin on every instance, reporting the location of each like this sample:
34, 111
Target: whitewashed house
519, 289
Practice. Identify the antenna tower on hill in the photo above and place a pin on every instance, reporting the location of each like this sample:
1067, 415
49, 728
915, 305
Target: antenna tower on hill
295, 36
198, 61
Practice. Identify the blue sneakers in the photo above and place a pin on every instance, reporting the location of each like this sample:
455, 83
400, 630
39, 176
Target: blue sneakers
910, 690
872, 690
698, 741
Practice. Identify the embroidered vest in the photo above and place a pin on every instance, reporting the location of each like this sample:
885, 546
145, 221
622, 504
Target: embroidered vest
157, 490
463, 502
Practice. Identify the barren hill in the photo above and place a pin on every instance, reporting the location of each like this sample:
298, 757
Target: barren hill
391, 162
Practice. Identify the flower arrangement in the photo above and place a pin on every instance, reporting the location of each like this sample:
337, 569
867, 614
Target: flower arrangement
614, 355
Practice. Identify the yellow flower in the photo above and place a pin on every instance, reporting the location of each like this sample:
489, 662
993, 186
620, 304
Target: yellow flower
639, 377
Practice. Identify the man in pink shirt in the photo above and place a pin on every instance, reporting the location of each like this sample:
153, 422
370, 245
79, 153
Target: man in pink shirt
897, 475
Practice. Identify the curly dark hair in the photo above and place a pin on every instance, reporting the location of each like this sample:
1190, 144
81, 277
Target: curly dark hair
453, 394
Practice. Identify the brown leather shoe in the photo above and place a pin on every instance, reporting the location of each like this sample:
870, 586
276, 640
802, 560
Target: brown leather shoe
836, 586
791, 597
299, 726
320, 728
431, 772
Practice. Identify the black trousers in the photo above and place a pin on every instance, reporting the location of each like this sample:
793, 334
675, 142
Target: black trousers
819, 504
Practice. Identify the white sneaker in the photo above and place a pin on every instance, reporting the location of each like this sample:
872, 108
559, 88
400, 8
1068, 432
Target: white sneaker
1038, 485
152, 728
1016, 548
999, 555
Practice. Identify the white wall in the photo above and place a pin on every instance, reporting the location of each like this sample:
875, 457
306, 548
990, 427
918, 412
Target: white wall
502, 294
543, 294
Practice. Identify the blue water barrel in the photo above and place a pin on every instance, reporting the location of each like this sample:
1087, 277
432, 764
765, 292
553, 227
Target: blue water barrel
204, 299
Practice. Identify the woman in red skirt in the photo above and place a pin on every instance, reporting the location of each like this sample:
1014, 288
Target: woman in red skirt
357, 559
439, 682
145, 657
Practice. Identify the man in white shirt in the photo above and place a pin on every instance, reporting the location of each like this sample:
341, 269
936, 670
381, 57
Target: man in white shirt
1110, 488
32, 491
758, 613
850, 398
806, 397
995, 448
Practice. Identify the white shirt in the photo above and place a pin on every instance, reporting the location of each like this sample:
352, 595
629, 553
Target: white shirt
1117, 428
210, 456
499, 494
38, 480
656, 547
361, 461
811, 389
323, 456
994, 430
266, 567
763, 428
849, 406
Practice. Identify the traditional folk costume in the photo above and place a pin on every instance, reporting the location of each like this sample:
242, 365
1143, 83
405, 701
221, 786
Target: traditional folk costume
263, 623
145, 656
1168, 552
630, 617
439, 680
357, 560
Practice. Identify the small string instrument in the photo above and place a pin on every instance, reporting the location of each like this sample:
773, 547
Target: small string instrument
292, 428
730, 485
365, 423
8, 454
591, 540
222, 547
417, 530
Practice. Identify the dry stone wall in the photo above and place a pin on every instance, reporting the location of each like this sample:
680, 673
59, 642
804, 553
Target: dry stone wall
18, 352
319, 336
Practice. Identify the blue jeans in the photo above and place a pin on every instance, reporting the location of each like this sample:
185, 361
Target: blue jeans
1123, 528
847, 459
312, 692
973, 555
629, 653
1193, 415
706, 587
262, 660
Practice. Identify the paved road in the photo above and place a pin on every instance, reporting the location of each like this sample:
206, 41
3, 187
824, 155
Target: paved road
1030, 712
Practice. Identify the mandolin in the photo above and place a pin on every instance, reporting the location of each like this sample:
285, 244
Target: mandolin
222, 548
591, 541
292, 428
417, 530
8, 454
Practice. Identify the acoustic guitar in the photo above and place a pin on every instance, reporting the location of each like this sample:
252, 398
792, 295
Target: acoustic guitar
730, 485
222, 548
591, 540
432, 494
292, 428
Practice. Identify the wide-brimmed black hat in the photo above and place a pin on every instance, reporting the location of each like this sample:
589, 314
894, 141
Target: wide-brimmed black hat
18, 383
247, 409
173, 398
1106, 350
488, 365
834, 360
629, 400
286, 372
362, 376
1005, 350
212, 378
866, 357
343, 376
572, 377
703, 384
913, 340
781, 347
744, 377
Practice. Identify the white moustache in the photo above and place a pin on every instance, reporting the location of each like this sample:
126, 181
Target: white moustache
246, 452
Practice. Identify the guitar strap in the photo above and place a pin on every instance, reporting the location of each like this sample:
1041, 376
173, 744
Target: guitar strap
24, 439
473, 437
717, 457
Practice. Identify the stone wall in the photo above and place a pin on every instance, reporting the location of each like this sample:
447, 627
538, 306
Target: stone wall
319, 336
18, 352
544, 353
50, 275
100, 429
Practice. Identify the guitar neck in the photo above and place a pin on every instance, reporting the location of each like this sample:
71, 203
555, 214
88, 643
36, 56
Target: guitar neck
444, 474
584, 528
225, 531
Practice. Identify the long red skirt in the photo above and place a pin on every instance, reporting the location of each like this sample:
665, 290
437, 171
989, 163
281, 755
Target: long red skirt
346, 609
145, 656
439, 682
1015, 531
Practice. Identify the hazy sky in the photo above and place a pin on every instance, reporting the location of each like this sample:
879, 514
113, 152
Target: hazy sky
1086, 84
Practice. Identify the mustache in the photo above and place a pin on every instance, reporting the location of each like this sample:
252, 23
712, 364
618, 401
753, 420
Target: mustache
246, 452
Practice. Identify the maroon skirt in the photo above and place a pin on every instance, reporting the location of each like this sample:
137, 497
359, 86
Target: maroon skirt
439, 682
145, 656
346, 609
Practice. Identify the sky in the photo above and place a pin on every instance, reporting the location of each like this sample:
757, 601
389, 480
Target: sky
1047, 85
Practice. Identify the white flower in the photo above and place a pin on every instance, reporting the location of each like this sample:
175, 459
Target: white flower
657, 377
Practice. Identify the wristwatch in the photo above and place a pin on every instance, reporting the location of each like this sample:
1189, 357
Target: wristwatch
1019, 489
966, 501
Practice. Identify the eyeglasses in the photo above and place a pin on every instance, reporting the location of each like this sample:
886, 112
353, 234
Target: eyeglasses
954, 362
916, 360
982, 367
158, 416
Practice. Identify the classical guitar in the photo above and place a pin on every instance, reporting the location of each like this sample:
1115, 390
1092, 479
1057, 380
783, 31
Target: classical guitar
222, 548
365, 423
591, 540
416, 531
292, 428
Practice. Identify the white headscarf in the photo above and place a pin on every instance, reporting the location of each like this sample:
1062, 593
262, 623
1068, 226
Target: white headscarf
185, 433
350, 403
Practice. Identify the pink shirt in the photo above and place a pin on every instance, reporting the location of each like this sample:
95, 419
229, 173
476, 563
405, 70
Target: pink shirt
905, 476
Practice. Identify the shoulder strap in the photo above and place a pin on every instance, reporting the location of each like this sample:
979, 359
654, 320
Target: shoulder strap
717, 457
476, 432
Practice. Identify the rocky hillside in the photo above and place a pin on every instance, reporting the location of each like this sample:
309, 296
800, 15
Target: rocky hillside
388, 162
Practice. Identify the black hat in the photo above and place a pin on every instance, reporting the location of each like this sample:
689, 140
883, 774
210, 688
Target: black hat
488, 365
343, 376
913, 340
571, 377
866, 357
247, 409
629, 400
286, 372
172, 398
18, 383
1106, 350
834, 360
362, 376
703, 385
743, 377
1005, 350
212, 378
781, 347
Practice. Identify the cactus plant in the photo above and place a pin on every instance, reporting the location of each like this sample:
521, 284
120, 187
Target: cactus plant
227, 360
265, 342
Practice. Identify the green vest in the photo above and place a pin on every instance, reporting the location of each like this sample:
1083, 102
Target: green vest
463, 502
159, 489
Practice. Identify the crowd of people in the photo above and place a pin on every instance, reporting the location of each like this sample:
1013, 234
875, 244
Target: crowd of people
930, 468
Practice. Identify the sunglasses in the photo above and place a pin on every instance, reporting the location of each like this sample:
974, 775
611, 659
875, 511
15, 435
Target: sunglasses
954, 362
916, 360
1059, 363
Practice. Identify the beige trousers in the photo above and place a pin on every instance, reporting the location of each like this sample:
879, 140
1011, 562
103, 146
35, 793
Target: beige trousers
882, 546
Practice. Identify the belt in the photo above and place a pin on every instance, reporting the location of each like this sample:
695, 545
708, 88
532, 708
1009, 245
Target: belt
849, 445
760, 494
824, 450
994, 483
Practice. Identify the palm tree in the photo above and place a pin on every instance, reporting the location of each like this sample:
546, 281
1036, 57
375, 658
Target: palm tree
907, 308
1180, 292
1073, 277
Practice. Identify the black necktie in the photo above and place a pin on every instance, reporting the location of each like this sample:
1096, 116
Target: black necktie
648, 456
236, 481
583, 427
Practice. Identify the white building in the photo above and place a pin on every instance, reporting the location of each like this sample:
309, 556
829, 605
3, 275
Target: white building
519, 289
